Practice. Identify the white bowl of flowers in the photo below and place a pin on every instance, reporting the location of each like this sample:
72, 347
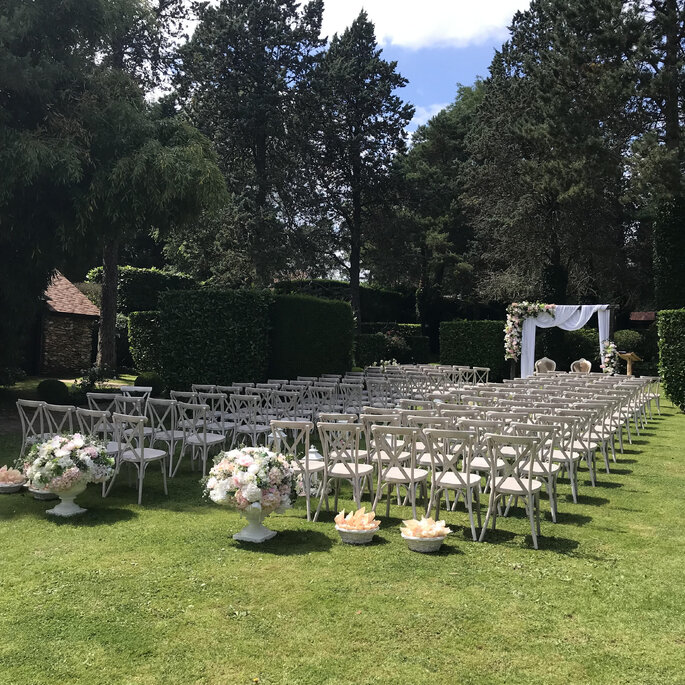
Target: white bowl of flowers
11, 480
358, 527
424, 536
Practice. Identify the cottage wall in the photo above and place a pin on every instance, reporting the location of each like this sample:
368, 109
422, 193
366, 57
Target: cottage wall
66, 343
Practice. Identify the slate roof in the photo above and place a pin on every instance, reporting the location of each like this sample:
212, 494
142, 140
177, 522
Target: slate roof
63, 297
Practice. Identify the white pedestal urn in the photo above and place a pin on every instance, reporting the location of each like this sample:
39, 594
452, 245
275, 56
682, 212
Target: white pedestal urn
255, 530
67, 506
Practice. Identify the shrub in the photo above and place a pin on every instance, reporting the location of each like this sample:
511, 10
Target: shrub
668, 248
377, 304
213, 336
671, 327
53, 391
369, 348
629, 341
144, 340
139, 289
9, 375
474, 343
583, 343
309, 336
151, 379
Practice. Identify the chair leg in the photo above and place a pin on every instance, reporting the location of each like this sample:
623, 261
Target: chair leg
531, 516
161, 461
469, 505
573, 475
141, 477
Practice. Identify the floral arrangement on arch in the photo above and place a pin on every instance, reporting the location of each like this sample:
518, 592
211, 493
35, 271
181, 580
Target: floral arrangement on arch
610, 361
63, 461
251, 477
517, 313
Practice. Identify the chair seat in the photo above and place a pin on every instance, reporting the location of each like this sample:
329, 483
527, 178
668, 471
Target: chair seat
542, 469
510, 486
147, 431
205, 439
148, 454
384, 458
561, 456
221, 426
584, 445
313, 467
482, 464
168, 435
112, 447
255, 428
450, 480
396, 475
342, 471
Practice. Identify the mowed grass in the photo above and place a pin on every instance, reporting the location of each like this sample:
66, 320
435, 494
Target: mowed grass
161, 594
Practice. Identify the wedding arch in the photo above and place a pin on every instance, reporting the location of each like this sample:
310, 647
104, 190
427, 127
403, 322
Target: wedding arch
523, 318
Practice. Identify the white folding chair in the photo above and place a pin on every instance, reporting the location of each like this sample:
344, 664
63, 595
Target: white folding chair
33, 423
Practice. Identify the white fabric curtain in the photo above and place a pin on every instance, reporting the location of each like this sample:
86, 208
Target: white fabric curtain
569, 317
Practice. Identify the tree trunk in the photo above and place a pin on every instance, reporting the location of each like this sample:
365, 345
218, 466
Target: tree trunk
107, 351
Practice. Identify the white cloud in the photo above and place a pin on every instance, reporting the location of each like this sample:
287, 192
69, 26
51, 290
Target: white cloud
423, 114
411, 24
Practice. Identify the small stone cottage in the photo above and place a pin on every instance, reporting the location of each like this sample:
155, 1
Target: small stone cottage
67, 328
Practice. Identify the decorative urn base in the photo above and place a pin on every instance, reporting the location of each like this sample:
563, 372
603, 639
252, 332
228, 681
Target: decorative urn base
67, 506
254, 531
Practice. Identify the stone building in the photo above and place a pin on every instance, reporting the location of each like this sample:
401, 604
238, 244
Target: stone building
67, 328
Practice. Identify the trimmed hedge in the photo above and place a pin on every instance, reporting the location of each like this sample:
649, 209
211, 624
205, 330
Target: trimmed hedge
377, 304
369, 348
138, 289
671, 326
145, 341
310, 336
211, 336
393, 344
474, 343
53, 391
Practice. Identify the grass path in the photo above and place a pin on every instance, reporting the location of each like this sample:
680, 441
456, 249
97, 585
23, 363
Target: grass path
161, 594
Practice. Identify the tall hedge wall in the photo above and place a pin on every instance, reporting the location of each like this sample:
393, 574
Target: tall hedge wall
212, 336
139, 289
671, 327
310, 336
474, 343
377, 304
145, 341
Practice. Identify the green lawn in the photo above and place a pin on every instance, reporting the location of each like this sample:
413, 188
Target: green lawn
162, 594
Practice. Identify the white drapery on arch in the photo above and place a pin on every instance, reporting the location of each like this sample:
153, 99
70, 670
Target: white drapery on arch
569, 317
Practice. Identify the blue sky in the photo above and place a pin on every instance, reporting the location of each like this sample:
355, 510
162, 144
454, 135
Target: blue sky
436, 43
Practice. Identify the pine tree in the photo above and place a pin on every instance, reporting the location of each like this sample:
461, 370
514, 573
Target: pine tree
360, 130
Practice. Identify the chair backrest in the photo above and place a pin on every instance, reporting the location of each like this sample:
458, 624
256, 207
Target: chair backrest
245, 409
510, 455
162, 414
337, 417
129, 435
424, 422
318, 399
102, 401
229, 389
351, 395
481, 374
546, 434
278, 381
268, 386
284, 403
60, 417
127, 405
395, 442
94, 422
340, 444
33, 422
142, 391
581, 365
292, 439
406, 413
197, 387
216, 401
380, 391
244, 385
313, 379
190, 397
545, 365
447, 449
417, 405
192, 419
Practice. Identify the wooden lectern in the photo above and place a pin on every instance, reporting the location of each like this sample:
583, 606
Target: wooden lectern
629, 358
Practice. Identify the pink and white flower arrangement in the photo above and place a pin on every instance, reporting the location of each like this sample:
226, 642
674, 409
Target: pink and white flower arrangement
517, 313
61, 462
251, 477
610, 362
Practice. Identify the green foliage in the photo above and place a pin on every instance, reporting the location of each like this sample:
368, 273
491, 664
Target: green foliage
404, 343
138, 289
53, 391
474, 343
369, 348
153, 380
11, 375
671, 326
310, 336
378, 304
669, 248
629, 341
144, 340
583, 343
213, 336
93, 378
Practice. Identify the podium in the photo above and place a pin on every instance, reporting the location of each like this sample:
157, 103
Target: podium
629, 358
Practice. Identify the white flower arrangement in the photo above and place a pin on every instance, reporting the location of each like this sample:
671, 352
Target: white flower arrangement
517, 313
251, 476
610, 359
61, 462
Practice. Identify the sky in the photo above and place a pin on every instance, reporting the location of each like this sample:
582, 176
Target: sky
437, 43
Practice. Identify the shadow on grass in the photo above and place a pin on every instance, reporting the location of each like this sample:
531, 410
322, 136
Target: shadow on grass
95, 517
620, 472
551, 543
589, 500
609, 485
291, 543
569, 518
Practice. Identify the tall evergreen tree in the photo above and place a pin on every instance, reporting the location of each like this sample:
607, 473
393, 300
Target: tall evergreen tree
244, 79
360, 130
546, 178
